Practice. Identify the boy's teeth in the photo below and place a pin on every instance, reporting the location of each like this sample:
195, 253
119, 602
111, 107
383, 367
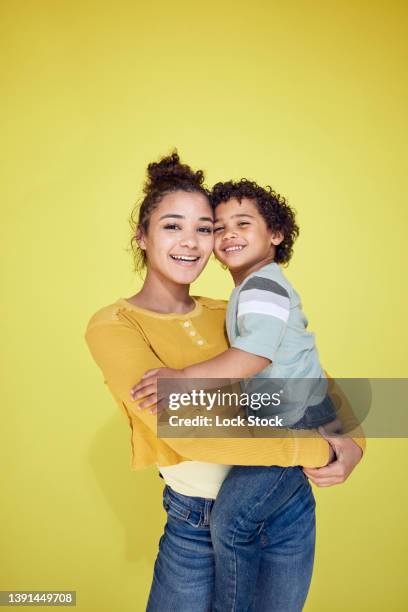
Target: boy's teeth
185, 257
234, 248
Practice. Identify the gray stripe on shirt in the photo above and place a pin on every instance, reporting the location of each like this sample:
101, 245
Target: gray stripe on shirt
265, 284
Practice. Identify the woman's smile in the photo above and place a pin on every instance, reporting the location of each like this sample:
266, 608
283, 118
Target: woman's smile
180, 238
185, 260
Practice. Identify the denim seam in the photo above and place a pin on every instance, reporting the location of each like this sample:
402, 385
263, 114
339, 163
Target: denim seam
235, 571
268, 493
207, 511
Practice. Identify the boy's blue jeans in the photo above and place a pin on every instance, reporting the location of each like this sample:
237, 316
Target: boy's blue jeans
263, 559
263, 534
245, 505
321, 414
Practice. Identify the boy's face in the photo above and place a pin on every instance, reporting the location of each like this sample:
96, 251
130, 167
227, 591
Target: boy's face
242, 238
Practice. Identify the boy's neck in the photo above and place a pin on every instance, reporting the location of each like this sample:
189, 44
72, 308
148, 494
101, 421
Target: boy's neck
240, 275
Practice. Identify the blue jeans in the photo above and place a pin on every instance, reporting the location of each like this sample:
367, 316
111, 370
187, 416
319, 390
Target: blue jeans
183, 579
317, 415
253, 525
273, 569
263, 534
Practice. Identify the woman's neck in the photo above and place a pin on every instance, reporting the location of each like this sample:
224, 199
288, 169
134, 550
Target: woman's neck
161, 295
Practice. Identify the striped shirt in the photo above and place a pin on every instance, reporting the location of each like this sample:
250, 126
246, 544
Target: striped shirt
265, 317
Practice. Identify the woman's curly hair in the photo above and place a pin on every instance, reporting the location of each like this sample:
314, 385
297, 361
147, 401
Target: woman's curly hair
278, 215
164, 176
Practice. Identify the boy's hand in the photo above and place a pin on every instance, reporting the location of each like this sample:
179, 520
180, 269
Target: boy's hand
346, 456
147, 387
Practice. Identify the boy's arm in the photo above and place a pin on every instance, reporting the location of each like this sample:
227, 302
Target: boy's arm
232, 363
262, 313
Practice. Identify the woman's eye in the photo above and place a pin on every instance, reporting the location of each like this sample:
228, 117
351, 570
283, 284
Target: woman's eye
205, 229
172, 226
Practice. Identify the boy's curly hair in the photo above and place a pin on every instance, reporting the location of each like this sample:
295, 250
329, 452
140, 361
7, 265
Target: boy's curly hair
278, 215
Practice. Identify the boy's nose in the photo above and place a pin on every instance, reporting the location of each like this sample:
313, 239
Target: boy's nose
229, 234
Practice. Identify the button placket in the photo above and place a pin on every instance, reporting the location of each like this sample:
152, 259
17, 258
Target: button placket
192, 333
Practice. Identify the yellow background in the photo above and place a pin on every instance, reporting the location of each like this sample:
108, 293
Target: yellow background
310, 97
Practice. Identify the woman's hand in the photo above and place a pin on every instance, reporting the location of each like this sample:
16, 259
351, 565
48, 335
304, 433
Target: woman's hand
147, 387
347, 455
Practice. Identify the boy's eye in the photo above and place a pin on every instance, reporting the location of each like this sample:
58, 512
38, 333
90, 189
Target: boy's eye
217, 229
206, 229
241, 223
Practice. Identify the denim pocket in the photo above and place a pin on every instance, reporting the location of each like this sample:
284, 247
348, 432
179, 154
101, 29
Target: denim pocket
176, 510
173, 509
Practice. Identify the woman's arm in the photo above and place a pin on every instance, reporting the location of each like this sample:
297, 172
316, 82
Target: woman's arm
348, 448
146, 392
123, 355
347, 455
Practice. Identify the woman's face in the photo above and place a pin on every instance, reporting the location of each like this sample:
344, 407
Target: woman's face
179, 239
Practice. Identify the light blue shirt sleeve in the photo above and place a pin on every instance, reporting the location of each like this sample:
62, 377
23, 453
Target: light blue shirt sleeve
262, 314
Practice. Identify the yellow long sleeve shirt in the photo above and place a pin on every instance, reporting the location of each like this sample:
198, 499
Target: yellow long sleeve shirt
126, 340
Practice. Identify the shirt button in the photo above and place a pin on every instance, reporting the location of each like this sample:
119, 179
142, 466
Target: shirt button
200, 342
186, 324
193, 333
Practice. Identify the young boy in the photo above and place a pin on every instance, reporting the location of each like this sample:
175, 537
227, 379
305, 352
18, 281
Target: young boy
254, 232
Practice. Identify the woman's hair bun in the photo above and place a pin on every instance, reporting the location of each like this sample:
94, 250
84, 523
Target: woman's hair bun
169, 171
163, 177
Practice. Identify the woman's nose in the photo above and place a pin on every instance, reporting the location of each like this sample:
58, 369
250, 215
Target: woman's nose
189, 241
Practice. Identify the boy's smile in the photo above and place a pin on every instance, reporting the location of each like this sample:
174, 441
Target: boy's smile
243, 241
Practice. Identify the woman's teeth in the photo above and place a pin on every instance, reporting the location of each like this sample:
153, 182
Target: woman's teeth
186, 258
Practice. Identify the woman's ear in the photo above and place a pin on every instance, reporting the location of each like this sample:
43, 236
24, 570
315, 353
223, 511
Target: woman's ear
140, 238
277, 238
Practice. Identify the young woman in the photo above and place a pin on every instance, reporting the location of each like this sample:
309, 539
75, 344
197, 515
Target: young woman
163, 325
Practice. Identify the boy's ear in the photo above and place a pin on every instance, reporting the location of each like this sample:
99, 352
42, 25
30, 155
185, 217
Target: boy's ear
140, 238
277, 238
